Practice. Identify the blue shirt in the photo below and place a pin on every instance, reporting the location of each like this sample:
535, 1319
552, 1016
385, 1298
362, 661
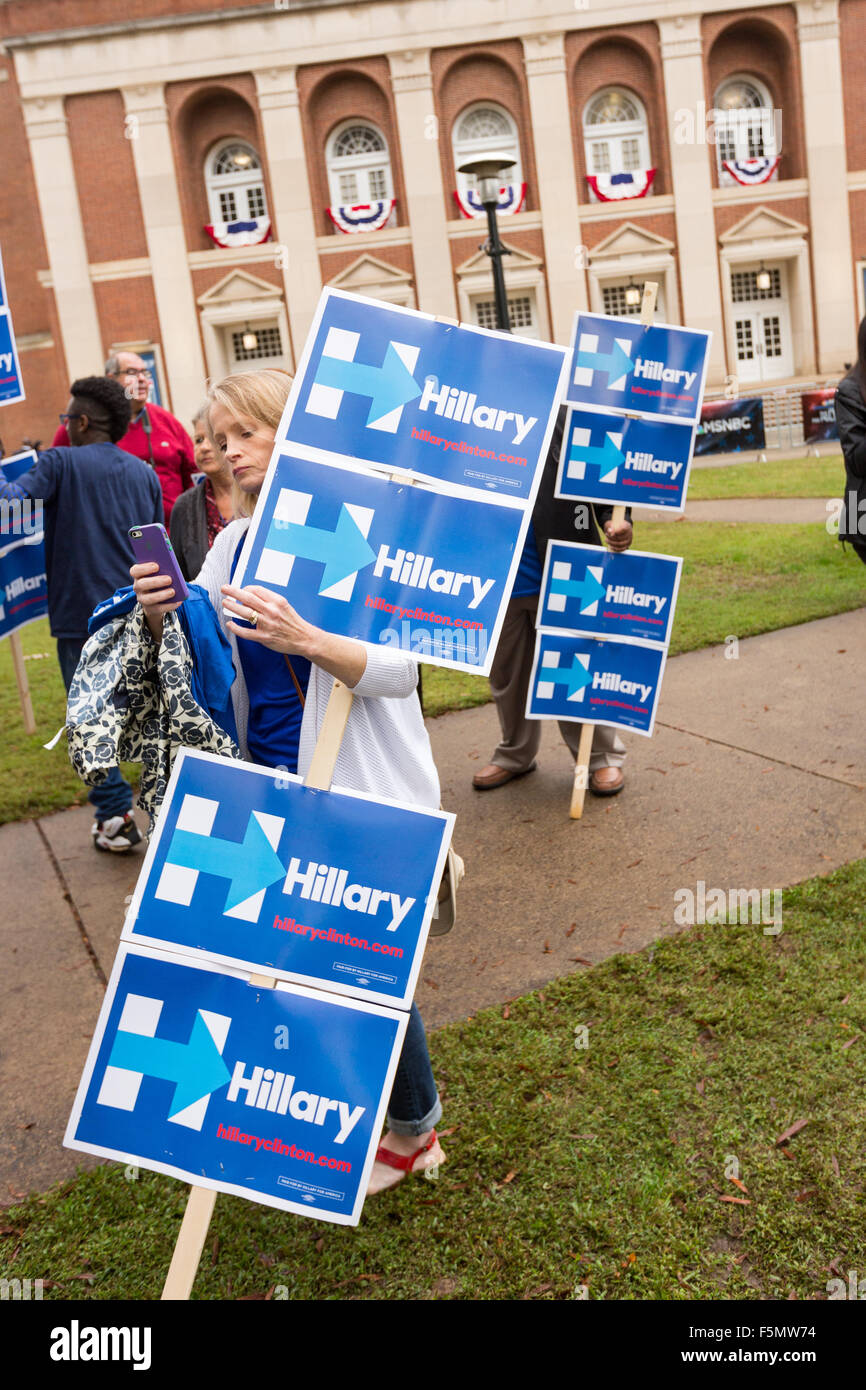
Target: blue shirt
528, 578
92, 496
274, 725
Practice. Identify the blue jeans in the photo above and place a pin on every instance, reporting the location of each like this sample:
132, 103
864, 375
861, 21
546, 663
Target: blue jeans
414, 1107
113, 797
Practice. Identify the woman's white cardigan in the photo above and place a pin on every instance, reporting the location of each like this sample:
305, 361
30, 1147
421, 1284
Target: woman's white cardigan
385, 749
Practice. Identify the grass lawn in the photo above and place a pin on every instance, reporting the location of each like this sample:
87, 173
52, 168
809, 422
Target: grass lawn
800, 477
737, 579
608, 1166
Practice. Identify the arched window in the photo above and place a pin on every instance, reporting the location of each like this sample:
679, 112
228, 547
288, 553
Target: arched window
615, 133
484, 129
235, 183
359, 168
744, 124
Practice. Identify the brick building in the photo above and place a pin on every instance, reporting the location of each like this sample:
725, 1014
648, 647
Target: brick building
130, 128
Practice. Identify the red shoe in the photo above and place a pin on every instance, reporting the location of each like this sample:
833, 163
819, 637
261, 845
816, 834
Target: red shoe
404, 1163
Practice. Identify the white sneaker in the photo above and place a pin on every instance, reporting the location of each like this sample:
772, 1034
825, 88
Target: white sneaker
117, 834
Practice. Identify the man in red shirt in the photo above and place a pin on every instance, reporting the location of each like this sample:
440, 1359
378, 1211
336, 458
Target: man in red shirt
154, 435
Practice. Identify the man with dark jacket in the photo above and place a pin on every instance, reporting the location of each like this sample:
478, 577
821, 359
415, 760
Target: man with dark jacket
552, 519
851, 423
92, 493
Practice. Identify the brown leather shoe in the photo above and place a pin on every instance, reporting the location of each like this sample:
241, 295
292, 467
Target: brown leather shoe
492, 776
607, 781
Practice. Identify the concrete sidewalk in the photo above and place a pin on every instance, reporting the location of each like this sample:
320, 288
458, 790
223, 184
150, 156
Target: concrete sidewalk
758, 510
754, 778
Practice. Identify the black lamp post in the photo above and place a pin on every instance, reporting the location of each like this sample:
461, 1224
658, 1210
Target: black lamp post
488, 170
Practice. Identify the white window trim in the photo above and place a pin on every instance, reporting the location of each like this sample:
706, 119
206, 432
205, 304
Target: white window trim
473, 285
357, 164
794, 250
660, 267
464, 150
727, 180
232, 183
615, 131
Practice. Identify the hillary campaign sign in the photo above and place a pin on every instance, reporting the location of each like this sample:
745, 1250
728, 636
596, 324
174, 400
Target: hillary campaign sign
586, 589
23, 577
593, 682
11, 386
655, 370
614, 459
276, 1095
249, 867
384, 562
394, 388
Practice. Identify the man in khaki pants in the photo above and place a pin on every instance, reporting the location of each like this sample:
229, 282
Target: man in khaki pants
552, 519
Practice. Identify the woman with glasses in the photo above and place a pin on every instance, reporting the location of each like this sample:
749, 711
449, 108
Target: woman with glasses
154, 435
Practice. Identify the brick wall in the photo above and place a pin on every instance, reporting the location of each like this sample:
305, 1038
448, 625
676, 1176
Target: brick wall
763, 44
618, 58
201, 114
463, 77
852, 16
105, 177
329, 96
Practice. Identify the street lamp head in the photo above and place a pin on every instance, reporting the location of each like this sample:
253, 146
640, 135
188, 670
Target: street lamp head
488, 170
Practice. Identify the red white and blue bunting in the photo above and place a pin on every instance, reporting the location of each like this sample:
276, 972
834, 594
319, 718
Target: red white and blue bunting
512, 196
363, 217
748, 171
251, 233
614, 188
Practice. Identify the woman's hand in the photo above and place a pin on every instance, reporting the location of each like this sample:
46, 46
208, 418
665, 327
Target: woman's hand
155, 593
278, 626
619, 534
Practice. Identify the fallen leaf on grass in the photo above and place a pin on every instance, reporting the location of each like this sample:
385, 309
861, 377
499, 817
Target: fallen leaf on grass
807, 1192
635, 864
509, 1177
845, 1000
789, 1133
738, 1201
844, 1045
835, 1162
320, 1244
581, 960
740, 1184
699, 1086
506, 1012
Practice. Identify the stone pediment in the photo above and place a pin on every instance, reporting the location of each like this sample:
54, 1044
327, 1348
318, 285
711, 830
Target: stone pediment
367, 273
518, 259
238, 285
763, 224
630, 240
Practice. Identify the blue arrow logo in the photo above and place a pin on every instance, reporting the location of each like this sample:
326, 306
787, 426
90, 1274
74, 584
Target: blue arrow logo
389, 387
588, 589
343, 551
575, 677
251, 866
195, 1067
616, 363
606, 459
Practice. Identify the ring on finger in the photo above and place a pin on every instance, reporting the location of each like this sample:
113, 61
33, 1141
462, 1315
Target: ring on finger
253, 617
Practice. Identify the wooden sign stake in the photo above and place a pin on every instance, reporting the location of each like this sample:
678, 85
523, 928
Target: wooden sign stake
200, 1203
584, 748
21, 681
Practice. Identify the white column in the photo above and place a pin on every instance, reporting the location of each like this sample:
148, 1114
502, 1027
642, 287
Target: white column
544, 60
692, 185
292, 213
824, 122
412, 83
147, 125
57, 193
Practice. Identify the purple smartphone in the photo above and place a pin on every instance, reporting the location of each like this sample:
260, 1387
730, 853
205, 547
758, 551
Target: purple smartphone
151, 543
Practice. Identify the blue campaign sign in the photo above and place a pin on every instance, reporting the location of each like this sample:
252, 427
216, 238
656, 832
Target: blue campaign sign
594, 682
389, 386
587, 589
249, 867
23, 578
613, 459
276, 1095
656, 370
384, 562
11, 388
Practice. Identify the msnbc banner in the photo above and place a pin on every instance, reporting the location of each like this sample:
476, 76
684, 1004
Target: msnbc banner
277, 1095
728, 426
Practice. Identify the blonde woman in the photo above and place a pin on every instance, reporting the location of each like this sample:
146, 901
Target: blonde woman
285, 669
